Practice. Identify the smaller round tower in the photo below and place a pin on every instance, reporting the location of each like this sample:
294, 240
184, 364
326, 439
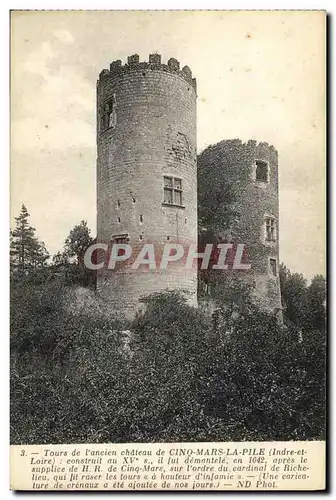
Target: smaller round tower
255, 167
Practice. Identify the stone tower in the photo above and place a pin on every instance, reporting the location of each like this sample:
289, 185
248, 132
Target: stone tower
146, 173
255, 167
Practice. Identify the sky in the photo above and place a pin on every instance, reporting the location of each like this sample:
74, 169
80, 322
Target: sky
260, 75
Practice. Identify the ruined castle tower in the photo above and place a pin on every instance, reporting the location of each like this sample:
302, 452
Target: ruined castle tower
146, 172
254, 167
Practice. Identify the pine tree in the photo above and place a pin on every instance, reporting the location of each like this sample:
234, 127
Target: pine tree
26, 251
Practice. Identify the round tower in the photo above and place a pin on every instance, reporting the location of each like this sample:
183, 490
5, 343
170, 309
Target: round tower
146, 174
254, 168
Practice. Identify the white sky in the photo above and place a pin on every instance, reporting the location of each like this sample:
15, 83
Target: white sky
260, 75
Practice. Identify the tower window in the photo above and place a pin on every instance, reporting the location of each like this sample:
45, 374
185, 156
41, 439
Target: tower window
172, 190
119, 220
120, 239
270, 229
273, 266
108, 115
141, 219
261, 172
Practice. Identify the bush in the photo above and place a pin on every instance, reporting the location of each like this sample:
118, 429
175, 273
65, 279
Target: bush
80, 375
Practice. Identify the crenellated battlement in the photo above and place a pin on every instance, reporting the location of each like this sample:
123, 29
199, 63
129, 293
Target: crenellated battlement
154, 63
251, 143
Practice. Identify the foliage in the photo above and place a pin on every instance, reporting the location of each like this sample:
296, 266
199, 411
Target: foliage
58, 363
173, 375
263, 383
70, 262
78, 241
29, 256
316, 302
304, 305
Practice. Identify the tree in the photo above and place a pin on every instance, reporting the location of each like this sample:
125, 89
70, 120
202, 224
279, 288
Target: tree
316, 301
26, 251
75, 246
293, 295
78, 241
304, 305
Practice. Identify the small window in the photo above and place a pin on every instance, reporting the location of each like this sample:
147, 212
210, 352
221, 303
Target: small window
119, 220
172, 191
141, 219
273, 265
261, 171
108, 115
120, 239
270, 229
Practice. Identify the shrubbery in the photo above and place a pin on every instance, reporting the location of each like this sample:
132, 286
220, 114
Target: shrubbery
78, 375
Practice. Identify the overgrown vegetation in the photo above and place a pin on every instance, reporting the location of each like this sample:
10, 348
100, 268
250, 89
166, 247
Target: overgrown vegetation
174, 374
